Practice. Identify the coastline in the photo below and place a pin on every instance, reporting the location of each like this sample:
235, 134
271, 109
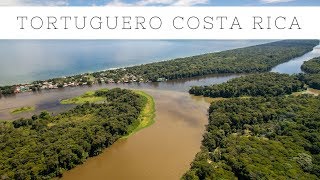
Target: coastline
178, 68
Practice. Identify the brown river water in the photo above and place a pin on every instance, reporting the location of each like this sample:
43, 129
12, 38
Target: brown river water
162, 151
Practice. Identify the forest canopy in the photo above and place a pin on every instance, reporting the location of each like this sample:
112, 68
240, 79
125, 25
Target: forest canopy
261, 138
312, 73
312, 66
44, 146
259, 58
262, 84
312, 80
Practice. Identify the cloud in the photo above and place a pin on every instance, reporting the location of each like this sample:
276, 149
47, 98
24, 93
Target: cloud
154, 2
275, 1
11, 3
118, 3
34, 3
159, 3
190, 2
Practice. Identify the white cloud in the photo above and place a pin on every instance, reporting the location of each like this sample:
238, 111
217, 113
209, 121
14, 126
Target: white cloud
189, 2
275, 1
118, 3
11, 3
154, 2
158, 2
34, 2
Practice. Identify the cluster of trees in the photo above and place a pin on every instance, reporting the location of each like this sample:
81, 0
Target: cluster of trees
312, 66
6, 90
259, 58
262, 84
261, 138
312, 76
312, 80
44, 146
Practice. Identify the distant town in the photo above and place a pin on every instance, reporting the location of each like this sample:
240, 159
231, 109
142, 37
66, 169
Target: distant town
108, 77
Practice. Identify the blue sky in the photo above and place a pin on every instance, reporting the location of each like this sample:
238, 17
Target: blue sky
160, 2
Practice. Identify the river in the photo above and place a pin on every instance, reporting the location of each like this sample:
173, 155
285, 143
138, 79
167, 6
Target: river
293, 66
161, 151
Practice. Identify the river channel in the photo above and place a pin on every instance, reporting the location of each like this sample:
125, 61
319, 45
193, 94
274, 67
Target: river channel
161, 151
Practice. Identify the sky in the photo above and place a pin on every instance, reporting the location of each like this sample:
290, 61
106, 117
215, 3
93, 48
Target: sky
159, 2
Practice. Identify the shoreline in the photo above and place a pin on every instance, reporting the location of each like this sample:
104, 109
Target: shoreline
177, 67
147, 116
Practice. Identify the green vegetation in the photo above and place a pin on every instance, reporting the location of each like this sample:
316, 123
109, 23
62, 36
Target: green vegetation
23, 109
263, 84
147, 115
87, 97
261, 138
312, 80
312, 76
45, 146
312, 66
5, 90
259, 58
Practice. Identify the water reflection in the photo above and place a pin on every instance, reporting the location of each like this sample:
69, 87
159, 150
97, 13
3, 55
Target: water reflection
294, 66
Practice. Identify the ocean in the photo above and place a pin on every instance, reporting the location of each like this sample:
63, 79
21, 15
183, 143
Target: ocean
24, 61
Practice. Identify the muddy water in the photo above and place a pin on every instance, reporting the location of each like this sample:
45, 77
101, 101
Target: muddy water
50, 100
162, 151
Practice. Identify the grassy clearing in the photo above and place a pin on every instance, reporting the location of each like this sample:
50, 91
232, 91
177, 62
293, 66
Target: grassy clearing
22, 110
315, 92
308, 91
147, 115
87, 97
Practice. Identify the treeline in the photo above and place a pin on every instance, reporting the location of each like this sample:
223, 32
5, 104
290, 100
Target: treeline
312, 66
312, 76
261, 138
259, 58
44, 146
312, 80
6, 90
262, 84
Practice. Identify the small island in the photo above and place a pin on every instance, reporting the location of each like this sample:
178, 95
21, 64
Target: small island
44, 146
22, 110
89, 96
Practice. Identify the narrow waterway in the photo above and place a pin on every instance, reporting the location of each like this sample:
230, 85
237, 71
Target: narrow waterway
162, 151
294, 66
